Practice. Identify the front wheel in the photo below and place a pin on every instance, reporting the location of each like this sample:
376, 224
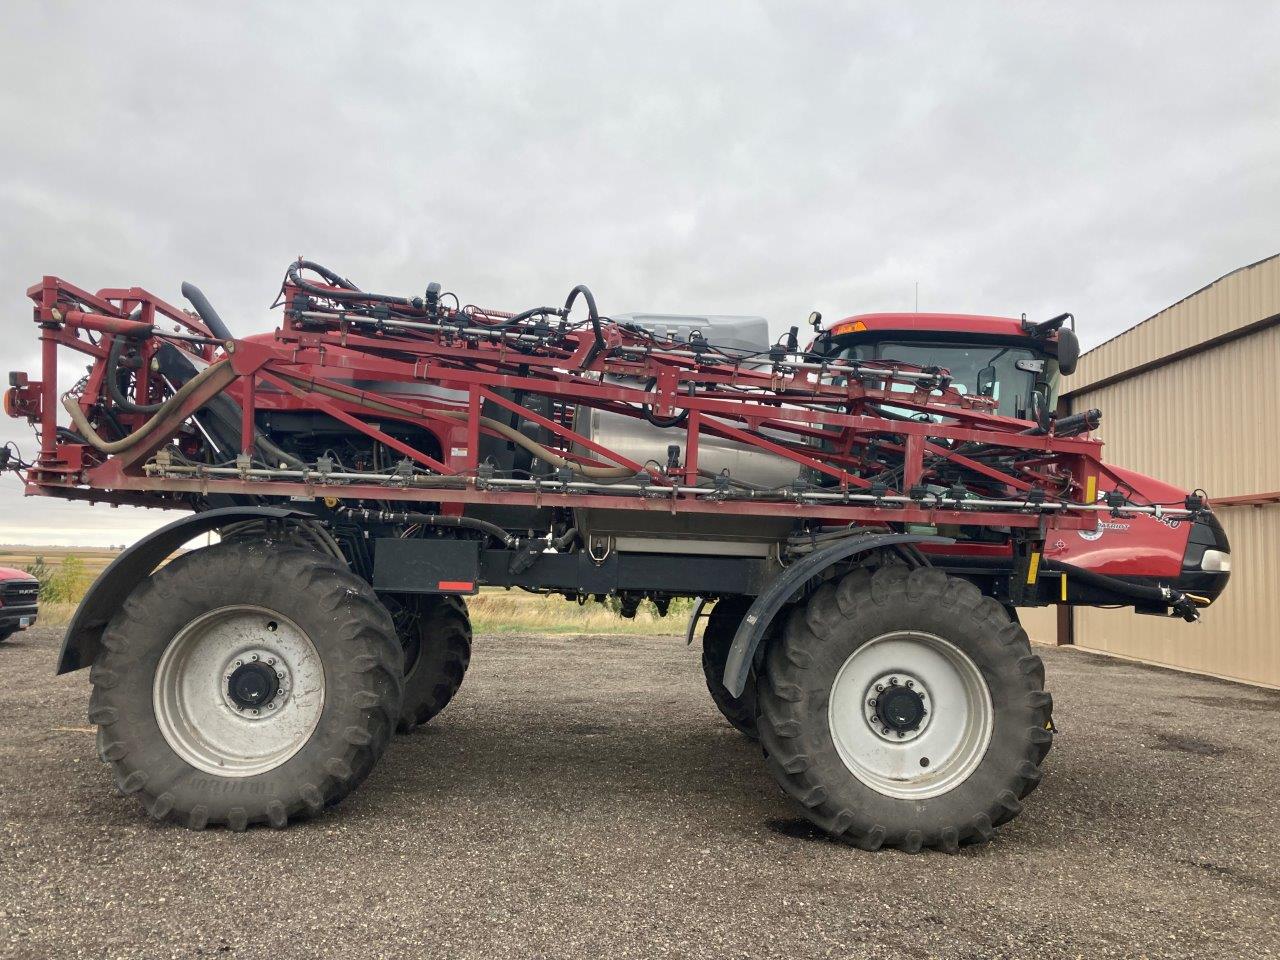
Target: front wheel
903, 708
246, 683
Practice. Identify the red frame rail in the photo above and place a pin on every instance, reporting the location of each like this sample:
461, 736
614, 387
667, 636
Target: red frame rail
783, 405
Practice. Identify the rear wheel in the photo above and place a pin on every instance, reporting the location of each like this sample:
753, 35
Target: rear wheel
717, 638
435, 632
246, 683
903, 708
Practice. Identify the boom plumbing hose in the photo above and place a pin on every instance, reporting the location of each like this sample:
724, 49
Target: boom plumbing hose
219, 374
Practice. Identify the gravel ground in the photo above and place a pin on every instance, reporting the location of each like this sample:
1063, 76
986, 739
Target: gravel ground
581, 798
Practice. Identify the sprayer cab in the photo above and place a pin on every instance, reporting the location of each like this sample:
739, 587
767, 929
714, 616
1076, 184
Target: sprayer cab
1019, 364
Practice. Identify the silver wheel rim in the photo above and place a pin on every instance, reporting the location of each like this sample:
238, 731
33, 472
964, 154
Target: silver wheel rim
947, 742
200, 718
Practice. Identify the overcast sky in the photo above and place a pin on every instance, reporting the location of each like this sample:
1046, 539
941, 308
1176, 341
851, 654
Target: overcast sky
742, 157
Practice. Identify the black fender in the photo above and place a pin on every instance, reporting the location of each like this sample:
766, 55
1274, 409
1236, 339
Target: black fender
83, 640
775, 596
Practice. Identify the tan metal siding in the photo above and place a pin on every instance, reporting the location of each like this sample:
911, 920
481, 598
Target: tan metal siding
1236, 301
1207, 420
1210, 420
1041, 623
1238, 636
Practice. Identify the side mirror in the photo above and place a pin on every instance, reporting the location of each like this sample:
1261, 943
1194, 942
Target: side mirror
1040, 412
1068, 351
987, 382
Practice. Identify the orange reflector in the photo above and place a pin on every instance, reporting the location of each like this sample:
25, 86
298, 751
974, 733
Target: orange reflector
456, 586
851, 326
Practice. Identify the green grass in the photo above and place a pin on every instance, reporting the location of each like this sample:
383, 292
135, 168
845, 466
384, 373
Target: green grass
492, 610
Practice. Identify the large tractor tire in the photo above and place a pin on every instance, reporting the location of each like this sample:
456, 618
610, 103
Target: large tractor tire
435, 632
246, 683
902, 708
717, 638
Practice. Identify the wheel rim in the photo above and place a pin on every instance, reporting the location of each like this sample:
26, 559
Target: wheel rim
239, 691
910, 715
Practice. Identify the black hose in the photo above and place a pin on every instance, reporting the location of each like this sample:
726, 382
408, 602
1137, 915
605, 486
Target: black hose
112, 376
435, 520
347, 291
1166, 596
592, 313
205, 309
565, 540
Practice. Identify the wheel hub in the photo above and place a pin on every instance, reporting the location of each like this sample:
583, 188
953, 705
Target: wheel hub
901, 709
897, 706
256, 682
253, 685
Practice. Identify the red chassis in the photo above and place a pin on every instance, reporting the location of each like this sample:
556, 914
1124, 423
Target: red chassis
821, 416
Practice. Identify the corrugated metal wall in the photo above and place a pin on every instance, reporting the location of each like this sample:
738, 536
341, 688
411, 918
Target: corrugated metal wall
1237, 637
1234, 302
1207, 420
1210, 420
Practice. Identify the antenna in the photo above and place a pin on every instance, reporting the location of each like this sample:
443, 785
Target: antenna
917, 296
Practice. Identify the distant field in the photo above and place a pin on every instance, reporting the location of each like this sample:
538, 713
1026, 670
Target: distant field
492, 611
22, 556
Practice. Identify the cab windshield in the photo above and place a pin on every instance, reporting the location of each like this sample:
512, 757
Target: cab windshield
1007, 374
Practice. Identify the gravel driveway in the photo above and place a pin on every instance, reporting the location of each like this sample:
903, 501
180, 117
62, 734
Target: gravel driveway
581, 798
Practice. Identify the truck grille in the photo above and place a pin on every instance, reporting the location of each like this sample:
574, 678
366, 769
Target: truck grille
19, 593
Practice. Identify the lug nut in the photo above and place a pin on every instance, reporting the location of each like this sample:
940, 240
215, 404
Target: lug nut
279, 675
271, 661
255, 712
875, 719
870, 703
911, 683
901, 734
879, 688
893, 681
254, 657
239, 663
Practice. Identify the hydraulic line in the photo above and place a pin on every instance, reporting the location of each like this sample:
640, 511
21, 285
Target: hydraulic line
110, 375
1183, 604
433, 520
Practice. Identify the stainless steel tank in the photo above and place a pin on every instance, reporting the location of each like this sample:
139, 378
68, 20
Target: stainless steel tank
660, 531
641, 441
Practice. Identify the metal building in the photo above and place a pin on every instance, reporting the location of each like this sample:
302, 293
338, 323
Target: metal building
1192, 396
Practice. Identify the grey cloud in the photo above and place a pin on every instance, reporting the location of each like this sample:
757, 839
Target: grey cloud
739, 157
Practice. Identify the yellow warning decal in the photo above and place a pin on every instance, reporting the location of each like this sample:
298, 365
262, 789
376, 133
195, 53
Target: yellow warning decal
1091, 490
1033, 570
1064, 588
